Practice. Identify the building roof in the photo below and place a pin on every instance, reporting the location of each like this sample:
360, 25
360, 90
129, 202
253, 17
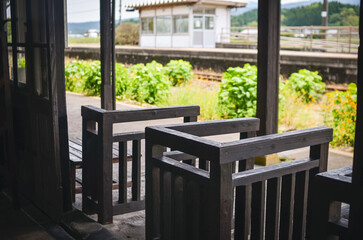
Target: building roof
151, 3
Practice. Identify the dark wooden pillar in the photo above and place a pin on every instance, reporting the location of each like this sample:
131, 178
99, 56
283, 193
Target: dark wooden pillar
268, 62
356, 211
107, 53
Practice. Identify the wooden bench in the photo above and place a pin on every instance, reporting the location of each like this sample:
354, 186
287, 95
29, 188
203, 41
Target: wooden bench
75, 158
272, 202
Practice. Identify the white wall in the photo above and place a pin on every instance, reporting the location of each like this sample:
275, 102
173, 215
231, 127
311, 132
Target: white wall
222, 21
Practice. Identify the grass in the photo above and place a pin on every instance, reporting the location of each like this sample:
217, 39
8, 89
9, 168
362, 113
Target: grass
202, 93
83, 40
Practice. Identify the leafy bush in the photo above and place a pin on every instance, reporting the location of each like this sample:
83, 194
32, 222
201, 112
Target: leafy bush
341, 114
93, 80
149, 83
122, 81
179, 72
238, 93
307, 85
127, 33
75, 75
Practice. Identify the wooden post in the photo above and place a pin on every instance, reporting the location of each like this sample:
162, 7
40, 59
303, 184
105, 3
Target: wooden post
356, 208
268, 62
107, 63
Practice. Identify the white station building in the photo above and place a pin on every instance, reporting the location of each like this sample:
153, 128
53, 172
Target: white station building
183, 23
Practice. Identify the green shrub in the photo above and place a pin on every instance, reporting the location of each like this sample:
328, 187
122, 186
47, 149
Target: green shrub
149, 83
341, 114
122, 81
75, 75
93, 80
238, 93
307, 85
179, 72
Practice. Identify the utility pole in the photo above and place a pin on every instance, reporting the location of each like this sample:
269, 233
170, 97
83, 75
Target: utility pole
324, 17
119, 22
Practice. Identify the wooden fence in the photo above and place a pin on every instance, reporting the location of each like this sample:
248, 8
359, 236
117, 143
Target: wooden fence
186, 202
98, 140
308, 38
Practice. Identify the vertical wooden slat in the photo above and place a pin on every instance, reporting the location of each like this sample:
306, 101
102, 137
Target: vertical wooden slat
180, 232
242, 212
300, 206
273, 202
257, 210
287, 206
136, 169
192, 216
243, 198
163, 210
205, 229
122, 172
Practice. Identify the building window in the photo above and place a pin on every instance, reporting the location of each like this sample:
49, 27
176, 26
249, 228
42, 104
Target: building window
147, 25
198, 22
209, 23
163, 24
181, 24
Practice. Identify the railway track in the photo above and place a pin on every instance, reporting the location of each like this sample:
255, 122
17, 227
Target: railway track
217, 77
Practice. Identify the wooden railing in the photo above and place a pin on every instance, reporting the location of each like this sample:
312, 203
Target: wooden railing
187, 202
98, 139
306, 38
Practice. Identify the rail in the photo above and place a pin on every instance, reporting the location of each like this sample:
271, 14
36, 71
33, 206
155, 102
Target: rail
306, 38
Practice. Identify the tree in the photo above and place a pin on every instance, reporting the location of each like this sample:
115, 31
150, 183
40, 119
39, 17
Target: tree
127, 33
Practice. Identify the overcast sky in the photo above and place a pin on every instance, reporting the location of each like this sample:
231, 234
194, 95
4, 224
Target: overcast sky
88, 10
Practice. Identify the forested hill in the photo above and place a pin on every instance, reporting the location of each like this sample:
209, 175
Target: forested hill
339, 15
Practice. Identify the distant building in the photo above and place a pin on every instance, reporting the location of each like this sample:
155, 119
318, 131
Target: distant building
183, 23
92, 33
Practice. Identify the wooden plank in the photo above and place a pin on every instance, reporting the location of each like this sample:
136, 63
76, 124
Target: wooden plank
122, 172
264, 145
192, 208
166, 205
130, 206
180, 224
277, 170
136, 170
273, 202
242, 212
153, 113
187, 143
129, 136
258, 210
218, 127
104, 173
268, 64
287, 206
301, 197
181, 169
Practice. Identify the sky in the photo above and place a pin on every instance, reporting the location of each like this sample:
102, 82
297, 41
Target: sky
88, 10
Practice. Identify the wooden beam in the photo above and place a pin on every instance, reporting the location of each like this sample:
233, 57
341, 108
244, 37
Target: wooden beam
356, 208
268, 62
106, 54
